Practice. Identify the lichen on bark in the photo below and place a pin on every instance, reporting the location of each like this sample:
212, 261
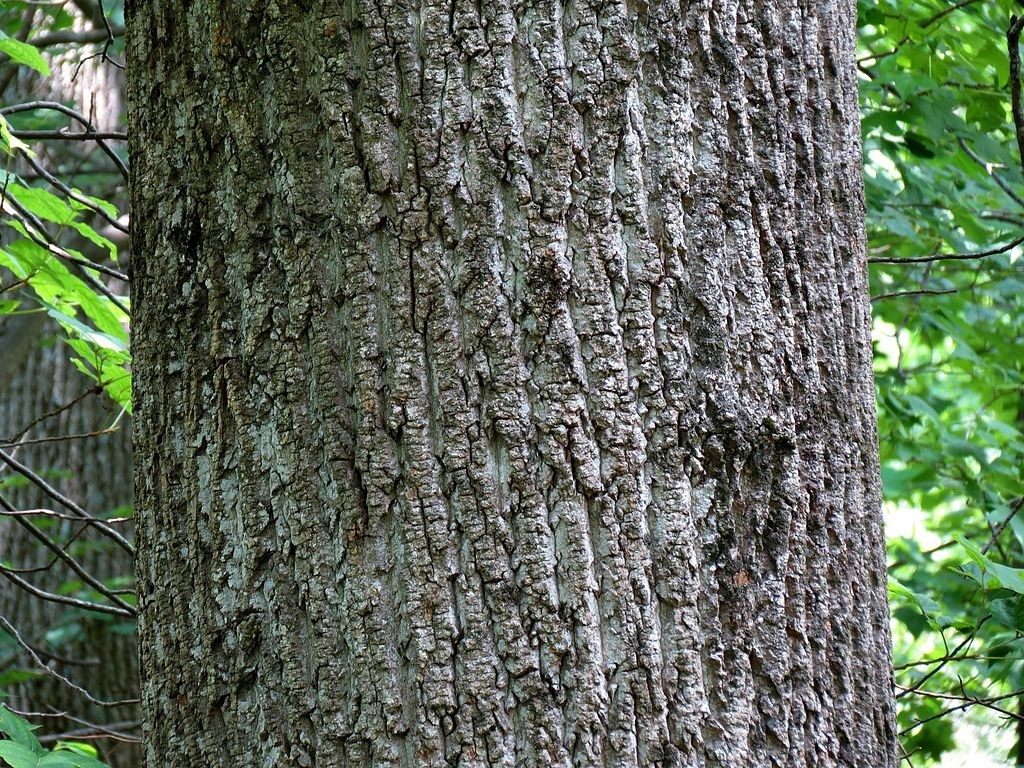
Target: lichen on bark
503, 387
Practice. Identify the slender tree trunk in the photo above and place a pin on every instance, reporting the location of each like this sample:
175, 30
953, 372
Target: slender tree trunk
503, 386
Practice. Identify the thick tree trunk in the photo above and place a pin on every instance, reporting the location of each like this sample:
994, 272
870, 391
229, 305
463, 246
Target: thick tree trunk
503, 386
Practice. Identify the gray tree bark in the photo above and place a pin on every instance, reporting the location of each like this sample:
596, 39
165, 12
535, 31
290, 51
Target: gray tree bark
503, 386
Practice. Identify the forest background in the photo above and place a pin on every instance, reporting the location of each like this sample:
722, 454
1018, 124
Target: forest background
943, 132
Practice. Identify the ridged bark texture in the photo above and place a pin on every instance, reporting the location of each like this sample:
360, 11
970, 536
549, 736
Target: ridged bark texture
503, 386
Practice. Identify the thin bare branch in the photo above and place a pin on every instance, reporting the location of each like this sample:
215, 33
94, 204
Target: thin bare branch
1000, 182
920, 292
1013, 48
51, 597
65, 135
65, 502
947, 256
91, 731
77, 37
61, 554
75, 115
53, 673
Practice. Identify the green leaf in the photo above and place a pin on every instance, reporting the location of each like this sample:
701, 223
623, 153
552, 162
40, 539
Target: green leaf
13, 676
95, 338
18, 756
96, 238
78, 746
1009, 612
66, 758
18, 730
24, 53
972, 551
43, 204
925, 603
9, 142
1006, 577
55, 760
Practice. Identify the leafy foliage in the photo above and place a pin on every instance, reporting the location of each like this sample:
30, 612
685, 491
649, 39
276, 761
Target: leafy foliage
59, 258
49, 273
21, 748
943, 179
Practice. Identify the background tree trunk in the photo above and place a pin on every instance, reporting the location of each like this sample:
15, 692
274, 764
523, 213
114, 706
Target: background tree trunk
503, 386
42, 392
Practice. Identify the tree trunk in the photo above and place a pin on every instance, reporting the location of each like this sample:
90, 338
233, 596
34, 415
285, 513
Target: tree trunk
503, 386
42, 389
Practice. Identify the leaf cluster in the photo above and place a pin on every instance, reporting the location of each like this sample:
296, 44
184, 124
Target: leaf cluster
945, 196
21, 748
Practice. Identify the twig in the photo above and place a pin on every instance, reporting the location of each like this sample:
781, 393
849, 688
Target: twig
923, 25
946, 256
988, 169
57, 515
920, 292
94, 731
65, 135
1013, 48
62, 555
75, 115
53, 673
997, 530
949, 656
76, 37
43, 240
967, 702
64, 501
51, 597
76, 196
59, 438
63, 408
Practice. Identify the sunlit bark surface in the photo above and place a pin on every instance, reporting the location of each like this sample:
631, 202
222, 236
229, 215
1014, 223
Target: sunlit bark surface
503, 386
